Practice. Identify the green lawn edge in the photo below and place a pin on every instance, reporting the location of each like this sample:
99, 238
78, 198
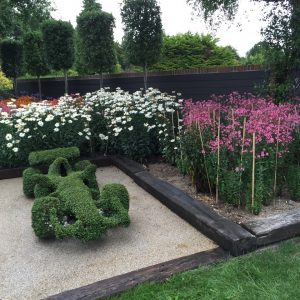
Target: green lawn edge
269, 274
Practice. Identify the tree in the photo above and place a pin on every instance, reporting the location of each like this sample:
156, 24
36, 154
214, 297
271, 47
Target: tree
95, 33
282, 34
185, 51
20, 16
142, 33
35, 58
91, 5
258, 54
58, 38
12, 60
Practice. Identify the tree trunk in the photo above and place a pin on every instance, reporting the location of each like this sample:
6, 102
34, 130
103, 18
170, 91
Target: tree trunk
101, 80
145, 76
40, 87
66, 82
16, 86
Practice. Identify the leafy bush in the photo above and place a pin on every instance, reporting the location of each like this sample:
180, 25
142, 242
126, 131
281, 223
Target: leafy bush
68, 201
186, 51
117, 190
5, 83
136, 125
218, 141
293, 181
28, 181
47, 157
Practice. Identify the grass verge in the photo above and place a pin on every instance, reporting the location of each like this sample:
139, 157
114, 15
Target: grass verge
268, 275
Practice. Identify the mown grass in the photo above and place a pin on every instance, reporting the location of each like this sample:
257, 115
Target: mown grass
268, 275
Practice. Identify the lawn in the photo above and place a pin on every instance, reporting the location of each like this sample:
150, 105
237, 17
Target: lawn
271, 274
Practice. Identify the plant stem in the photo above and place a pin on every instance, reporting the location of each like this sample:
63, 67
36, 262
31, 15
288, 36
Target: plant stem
242, 152
179, 132
204, 158
276, 160
253, 171
218, 162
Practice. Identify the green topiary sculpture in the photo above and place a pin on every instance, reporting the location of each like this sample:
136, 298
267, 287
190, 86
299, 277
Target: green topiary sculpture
68, 202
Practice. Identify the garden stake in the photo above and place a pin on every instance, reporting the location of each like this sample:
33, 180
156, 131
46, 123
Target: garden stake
214, 119
204, 157
218, 164
253, 171
276, 161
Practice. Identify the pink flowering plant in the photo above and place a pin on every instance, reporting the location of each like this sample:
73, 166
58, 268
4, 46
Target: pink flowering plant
239, 147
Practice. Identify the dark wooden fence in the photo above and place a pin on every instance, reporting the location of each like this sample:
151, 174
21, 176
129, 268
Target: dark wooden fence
196, 83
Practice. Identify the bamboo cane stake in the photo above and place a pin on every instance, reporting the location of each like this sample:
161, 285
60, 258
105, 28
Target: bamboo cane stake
253, 171
218, 161
276, 161
204, 157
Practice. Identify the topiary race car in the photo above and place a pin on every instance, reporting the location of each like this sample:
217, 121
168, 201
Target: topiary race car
68, 202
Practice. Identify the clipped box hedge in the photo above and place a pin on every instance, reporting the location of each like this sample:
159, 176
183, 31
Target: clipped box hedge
47, 157
68, 202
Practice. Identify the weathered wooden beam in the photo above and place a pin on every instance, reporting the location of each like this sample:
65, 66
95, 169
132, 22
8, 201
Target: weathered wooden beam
275, 228
159, 272
227, 234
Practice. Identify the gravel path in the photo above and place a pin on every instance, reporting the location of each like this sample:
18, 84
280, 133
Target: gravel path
33, 269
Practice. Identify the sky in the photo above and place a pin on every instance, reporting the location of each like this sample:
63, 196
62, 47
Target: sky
177, 17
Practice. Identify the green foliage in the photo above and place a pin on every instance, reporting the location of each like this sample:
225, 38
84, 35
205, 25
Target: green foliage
12, 58
122, 60
34, 53
281, 35
270, 274
103, 122
263, 190
5, 83
81, 62
5, 86
29, 181
231, 188
184, 51
91, 5
46, 157
95, 34
35, 56
142, 32
20, 16
293, 181
137, 144
117, 190
42, 210
58, 37
257, 55
68, 201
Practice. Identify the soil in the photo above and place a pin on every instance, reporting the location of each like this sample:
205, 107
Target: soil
172, 175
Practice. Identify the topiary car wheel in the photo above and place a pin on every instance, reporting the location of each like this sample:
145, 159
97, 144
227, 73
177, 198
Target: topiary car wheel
41, 212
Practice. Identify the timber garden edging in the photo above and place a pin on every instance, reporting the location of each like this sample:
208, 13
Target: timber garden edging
233, 239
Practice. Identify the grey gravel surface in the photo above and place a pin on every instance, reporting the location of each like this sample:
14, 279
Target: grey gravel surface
34, 269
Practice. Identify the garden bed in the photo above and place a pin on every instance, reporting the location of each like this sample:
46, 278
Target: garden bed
172, 175
123, 251
32, 269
